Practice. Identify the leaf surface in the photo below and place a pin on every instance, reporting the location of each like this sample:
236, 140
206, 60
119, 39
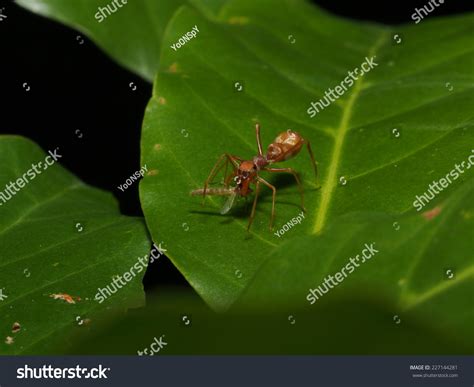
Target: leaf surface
197, 113
422, 267
59, 238
405, 124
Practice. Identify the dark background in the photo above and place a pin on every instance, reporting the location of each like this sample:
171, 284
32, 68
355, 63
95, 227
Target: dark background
76, 90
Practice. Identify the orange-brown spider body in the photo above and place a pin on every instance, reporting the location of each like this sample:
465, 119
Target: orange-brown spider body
287, 145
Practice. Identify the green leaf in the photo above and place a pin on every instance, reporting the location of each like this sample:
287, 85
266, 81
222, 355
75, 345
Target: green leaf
130, 34
423, 267
421, 87
59, 236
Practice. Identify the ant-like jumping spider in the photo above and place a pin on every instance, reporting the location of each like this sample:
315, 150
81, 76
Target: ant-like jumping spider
245, 172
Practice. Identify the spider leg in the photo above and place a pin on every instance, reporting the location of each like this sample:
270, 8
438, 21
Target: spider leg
252, 214
295, 175
259, 179
259, 141
217, 167
313, 161
235, 167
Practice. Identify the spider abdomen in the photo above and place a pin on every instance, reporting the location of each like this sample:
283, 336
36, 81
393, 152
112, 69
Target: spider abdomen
286, 145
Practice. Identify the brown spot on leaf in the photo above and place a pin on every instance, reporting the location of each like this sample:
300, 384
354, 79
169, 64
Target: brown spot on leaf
152, 172
161, 100
65, 297
238, 20
157, 147
174, 68
428, 215
16, 327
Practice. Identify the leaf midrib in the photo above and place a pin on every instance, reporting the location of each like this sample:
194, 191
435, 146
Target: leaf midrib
341, 132
39, 205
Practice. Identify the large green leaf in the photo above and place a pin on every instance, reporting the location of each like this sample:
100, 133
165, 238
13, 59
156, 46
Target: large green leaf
404, 124
59, 236
131, 35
